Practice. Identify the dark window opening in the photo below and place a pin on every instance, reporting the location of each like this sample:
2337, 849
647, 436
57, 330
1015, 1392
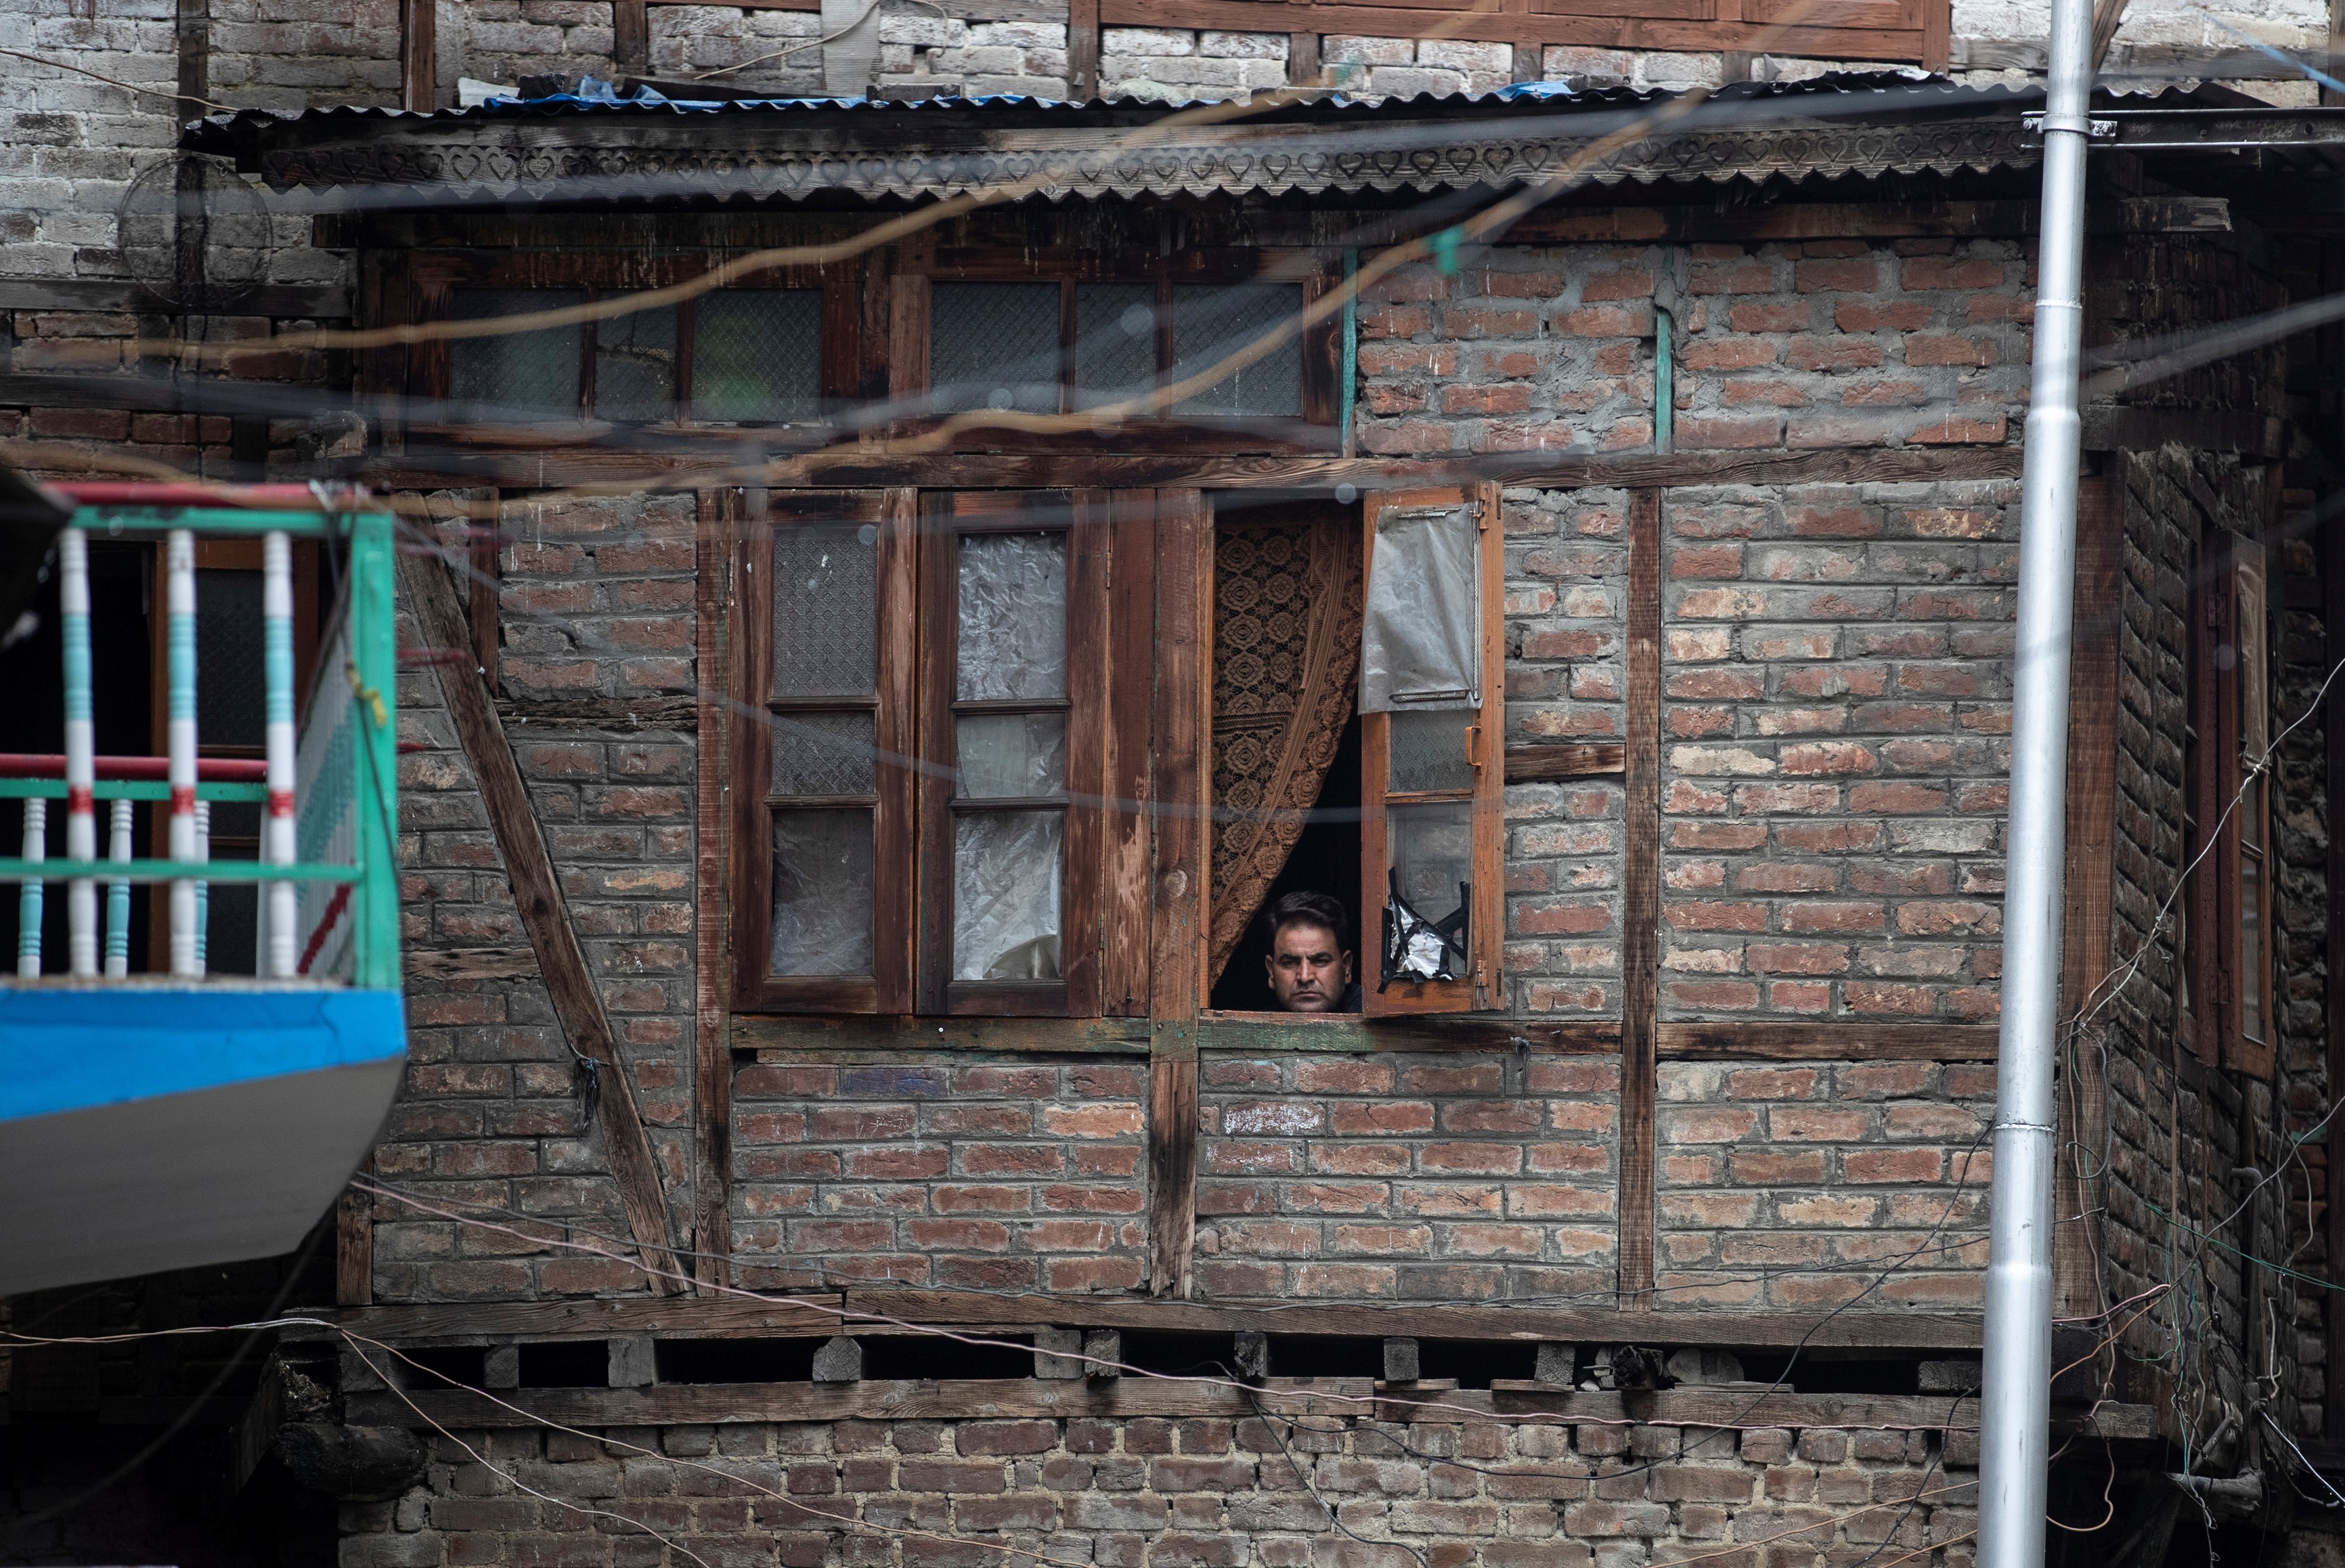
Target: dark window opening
1810, 1374
566, 1364
444, 1366
914, 1357
1325, 859
1325, 1356
1474, 1363
1178, 1354
735, 1361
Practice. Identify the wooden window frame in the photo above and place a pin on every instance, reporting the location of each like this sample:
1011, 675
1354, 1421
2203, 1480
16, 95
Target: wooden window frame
1312, 431
432, 278
2230, 656
888, 987
1486, 931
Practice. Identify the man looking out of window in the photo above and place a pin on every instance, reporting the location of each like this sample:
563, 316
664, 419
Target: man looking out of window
1310, 960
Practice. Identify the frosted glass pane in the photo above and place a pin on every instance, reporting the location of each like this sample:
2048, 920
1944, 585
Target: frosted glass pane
826, 609
1007, 754
1115, 341
1431, 849
757, 355
994, 345
1013, 616
823, 754
1428, 752
1210, 323
634, 366
1006, 879
514, 376
1421, 638
822, 893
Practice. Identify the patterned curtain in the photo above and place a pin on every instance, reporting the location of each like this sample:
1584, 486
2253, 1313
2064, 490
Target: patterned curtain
1287, 670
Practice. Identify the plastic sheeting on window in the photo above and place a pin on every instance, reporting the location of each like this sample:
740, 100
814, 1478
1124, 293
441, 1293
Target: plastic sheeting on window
1013, 618
1430, 849
1420, 648
1006, 881
1004, 756
822, 893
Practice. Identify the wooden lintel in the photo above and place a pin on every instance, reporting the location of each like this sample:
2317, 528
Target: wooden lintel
672, 1404
545, 915
1825, 1041
872, 466
1543, 764
879, 1312
470, 963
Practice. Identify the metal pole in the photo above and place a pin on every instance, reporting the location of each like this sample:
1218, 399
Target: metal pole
2016, 1392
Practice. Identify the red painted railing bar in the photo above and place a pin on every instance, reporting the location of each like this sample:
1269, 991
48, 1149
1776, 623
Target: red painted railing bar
210, 769
263, 497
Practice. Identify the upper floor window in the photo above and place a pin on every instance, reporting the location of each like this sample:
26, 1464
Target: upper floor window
2228, 926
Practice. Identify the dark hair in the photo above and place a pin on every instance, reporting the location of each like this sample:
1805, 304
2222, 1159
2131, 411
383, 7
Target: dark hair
1310, 909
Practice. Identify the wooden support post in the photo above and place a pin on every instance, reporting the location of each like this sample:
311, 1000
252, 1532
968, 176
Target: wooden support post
1640, 902
485, 536
1176, 924
1251, 1349
633, 1363
2091, 889
1084, 48
720, 514
419, 49
501, 1367
1056, 1352
1401, 1361
840, 1360
1531, 63
2332, 618
1303, 62
355, 1245
545, 916
631, 38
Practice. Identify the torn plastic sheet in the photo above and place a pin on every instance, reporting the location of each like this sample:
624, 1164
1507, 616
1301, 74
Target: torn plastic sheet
1430, 848
1013, 616
822, 893
1005, 879
1420, 643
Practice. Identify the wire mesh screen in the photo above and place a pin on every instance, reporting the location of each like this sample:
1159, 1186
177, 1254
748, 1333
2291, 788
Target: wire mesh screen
231, 701
1210, 323
1428, 751
994, 345
826, 609
514, 376
1115, 341
757, 355
634, 366
823, 754
822, 893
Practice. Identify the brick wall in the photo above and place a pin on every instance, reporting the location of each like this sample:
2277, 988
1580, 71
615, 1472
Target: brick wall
979, 1175
1835, 683
1566, 581
1407, 1177
493, 1110
1816, 1183
1214, 1493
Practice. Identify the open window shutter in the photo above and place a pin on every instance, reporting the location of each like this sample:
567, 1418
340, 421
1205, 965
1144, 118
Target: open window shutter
1433, 774
2247, 1043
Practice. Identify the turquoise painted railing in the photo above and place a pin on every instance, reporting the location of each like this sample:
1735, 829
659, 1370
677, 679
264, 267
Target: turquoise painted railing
328, 908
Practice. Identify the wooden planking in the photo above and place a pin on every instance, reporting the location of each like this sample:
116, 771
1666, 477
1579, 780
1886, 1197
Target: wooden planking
859, 465
1728, 1406
1641, 899
1083, 48
1125, 984
739, 1315
355, 1245
1089, 566
712, 1063
471, 963
1272, 1033
419, 50
2332, 615
545, 915
1540, 764
777, 1038
1178, 799
631, 37
2089, 879
1748, 1041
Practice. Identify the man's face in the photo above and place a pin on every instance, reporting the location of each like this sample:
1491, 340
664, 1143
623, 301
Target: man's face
1306, 973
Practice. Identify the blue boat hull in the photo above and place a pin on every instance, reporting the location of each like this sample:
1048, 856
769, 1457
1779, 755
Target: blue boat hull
147, 1127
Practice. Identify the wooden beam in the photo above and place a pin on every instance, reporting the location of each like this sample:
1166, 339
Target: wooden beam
1304, 63
815, 1316
418, 48
1540, 764
1511, 1403
471, 963
1084, 48
712, 1069
2090, 885
2107, 16
631, 38
1749, 1040
355, 1245
1178, 795
545, 915
1640, 900
2332, 617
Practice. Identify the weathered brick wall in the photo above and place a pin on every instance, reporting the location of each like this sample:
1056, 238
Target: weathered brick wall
1567, 582
1835, 680
494, 1108
1825, 344
1028, 1175
1405, 1176
1215, 1492
1823, 1184
70, 145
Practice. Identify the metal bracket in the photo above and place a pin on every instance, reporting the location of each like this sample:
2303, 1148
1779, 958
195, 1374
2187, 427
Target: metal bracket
2032, 123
